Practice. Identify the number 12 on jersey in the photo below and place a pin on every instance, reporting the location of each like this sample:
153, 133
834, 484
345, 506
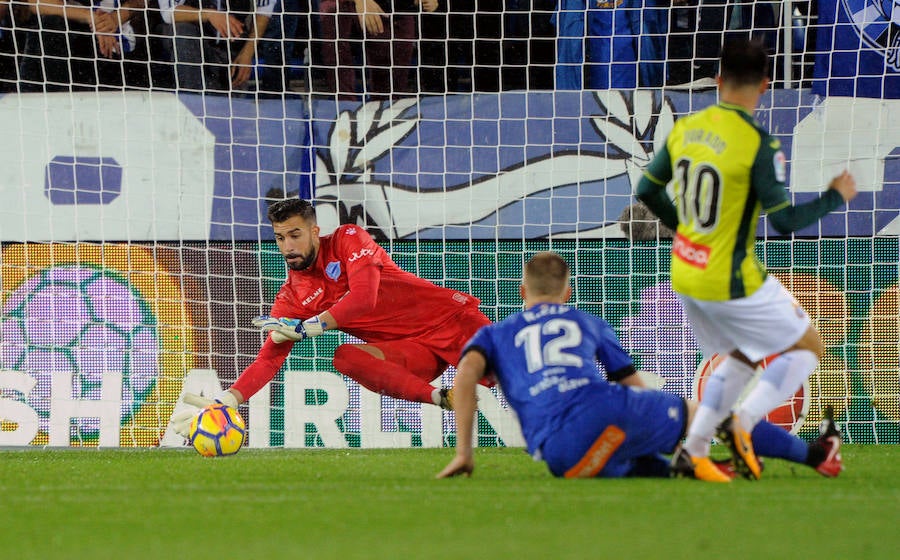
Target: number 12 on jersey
565, 334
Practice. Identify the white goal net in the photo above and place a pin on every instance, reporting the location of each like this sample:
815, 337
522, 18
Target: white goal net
141, 146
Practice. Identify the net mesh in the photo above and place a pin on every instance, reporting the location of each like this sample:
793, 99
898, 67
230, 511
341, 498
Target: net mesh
140, 154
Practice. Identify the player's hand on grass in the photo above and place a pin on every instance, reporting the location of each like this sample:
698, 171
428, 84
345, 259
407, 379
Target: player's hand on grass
283, 329
181, 422
462, 464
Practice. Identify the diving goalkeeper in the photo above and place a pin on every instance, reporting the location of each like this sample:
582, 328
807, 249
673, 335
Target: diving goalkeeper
412, 329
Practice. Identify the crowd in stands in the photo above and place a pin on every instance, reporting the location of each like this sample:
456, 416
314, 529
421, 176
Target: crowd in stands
356, 49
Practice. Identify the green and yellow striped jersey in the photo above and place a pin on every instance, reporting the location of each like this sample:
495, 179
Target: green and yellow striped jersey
725, 168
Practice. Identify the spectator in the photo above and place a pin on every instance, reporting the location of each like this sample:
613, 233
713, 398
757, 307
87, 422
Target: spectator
386, 33
625, 44
213, 48
76, 45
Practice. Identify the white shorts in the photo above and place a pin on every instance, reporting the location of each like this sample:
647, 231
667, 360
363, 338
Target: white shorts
767, 322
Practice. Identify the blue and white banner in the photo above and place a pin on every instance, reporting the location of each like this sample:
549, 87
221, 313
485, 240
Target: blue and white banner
526, 166
858, 42
151, 167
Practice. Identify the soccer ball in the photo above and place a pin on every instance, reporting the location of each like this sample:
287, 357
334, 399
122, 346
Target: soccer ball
218, 430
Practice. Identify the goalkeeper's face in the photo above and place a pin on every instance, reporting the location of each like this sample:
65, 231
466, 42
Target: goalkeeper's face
298, 241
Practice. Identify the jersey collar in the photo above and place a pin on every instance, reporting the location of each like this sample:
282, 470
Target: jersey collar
734, 107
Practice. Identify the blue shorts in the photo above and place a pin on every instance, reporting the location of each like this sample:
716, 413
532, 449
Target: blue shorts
611, 430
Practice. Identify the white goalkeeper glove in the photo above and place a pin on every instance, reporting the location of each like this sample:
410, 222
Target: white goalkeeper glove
289, 329
181, 422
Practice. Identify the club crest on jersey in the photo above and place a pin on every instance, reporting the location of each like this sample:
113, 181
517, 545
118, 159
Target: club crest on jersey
333, 270
692, 253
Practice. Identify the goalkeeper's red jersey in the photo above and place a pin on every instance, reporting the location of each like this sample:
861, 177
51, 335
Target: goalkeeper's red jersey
387, 304
405, 307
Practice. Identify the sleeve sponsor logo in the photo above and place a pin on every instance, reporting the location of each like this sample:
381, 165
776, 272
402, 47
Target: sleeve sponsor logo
460, 298
360, 254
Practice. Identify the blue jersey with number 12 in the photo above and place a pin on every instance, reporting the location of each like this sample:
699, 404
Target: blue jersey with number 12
544, 357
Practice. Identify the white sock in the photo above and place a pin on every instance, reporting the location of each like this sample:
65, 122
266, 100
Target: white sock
722, 390
779, 381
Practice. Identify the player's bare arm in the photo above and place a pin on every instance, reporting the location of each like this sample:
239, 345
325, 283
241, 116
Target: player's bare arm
470, 371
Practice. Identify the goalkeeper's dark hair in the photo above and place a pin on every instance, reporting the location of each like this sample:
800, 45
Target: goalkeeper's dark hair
743, 62
546, 273
285, 209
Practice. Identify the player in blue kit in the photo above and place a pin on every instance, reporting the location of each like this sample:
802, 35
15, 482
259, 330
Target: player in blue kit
579, 422
544, 358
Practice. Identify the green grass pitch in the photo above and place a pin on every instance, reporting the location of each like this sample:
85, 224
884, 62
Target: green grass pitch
370, 504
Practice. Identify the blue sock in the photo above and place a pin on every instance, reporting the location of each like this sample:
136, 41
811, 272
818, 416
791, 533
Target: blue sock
771, 441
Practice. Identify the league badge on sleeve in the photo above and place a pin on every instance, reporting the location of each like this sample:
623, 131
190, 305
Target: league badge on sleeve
779, 162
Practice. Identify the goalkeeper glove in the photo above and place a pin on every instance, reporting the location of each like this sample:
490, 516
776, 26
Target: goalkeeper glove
181, 422
289, 329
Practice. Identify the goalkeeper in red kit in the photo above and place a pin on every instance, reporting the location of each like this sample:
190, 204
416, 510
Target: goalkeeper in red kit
412, 329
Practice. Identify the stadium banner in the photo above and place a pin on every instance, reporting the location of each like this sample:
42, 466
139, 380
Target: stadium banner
858, 49
98, 341
511, 165
526, 166
140, 166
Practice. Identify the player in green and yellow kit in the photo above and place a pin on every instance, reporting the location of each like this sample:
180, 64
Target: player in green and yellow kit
726, 169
